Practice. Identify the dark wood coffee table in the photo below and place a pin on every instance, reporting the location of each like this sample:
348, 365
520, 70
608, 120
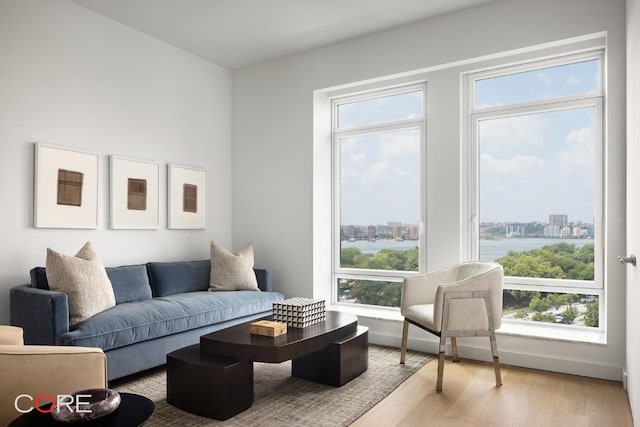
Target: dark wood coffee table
215, 378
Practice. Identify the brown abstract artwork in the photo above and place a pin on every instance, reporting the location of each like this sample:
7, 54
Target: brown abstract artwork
190, 198
70, 187
137, 194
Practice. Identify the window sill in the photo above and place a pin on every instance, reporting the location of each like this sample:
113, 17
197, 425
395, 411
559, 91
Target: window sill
369, 311
552, 332
512, 328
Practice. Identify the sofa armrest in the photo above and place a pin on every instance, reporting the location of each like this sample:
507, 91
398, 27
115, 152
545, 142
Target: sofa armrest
264, 279
36, 370
42, 314
11, 335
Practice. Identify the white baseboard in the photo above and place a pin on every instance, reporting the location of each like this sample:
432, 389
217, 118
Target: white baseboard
507, 357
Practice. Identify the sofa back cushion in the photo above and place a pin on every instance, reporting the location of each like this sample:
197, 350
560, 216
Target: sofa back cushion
168, 278
130, 283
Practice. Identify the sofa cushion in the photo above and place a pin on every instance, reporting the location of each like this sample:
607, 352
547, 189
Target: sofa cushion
83, 278
168, 278
130, 283
144, 320
231, 272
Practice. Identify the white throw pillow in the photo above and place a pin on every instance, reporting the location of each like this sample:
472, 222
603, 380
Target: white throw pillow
232, 272
83, 278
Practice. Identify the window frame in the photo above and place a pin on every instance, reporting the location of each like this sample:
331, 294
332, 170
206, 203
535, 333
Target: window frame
337, 134
471, 221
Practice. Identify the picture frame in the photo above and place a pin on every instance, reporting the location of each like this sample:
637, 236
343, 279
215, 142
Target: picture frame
65, 187
187, 197
135, 193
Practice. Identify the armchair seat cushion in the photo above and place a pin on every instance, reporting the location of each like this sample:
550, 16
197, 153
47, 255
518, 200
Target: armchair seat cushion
139, 321
421, 314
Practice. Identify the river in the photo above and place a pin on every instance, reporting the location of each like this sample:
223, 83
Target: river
489, 249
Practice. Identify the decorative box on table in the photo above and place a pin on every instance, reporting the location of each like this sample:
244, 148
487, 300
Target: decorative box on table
299, 312
268, 328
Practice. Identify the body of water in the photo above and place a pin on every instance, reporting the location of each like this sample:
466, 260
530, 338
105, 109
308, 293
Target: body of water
489, 249
493, 249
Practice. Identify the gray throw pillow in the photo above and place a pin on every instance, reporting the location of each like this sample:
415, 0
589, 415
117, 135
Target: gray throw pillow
232, 272
83, 278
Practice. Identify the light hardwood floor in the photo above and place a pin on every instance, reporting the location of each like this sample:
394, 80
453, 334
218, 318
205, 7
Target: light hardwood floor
527, 398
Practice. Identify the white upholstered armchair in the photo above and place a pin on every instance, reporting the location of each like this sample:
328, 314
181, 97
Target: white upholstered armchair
37, 369
462, 300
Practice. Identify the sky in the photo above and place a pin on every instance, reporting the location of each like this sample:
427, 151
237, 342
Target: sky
380, 179
530, 165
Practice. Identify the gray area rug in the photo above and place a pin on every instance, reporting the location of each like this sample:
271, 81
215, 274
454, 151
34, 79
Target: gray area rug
283, 400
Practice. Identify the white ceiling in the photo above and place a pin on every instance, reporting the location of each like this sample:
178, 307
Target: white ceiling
236, 33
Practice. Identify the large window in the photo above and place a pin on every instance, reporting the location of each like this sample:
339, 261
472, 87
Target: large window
378, 145
536, 186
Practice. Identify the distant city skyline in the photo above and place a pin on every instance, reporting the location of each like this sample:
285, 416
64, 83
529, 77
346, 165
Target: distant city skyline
556, 226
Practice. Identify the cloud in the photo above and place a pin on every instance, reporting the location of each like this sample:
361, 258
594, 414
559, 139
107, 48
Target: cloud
544, 79
490, 164
357, 157
403, 144
573, 81
498, 134
376, 171
579, 147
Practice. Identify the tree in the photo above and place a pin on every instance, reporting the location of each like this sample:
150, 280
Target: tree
593, 314
570, 314
377, 292
386, 259
544, 317
352, 257
530, 264
555, 300
539, 304
413, 260
559, 261
514, 298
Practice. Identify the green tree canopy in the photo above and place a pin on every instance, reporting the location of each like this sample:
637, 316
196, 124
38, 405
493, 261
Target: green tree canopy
558, 261
386, 259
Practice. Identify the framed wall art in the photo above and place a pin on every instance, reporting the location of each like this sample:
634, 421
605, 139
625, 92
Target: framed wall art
187, 199
135, 193
65, 187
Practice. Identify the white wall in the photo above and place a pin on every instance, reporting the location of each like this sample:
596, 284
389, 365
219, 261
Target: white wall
633, 232
273, 148
71, 77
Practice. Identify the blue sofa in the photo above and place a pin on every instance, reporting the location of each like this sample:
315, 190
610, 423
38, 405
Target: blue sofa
160, 307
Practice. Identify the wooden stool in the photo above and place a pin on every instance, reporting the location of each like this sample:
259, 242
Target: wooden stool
212, 387
337, 364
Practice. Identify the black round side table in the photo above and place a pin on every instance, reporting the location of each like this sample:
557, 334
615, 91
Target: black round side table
134, 410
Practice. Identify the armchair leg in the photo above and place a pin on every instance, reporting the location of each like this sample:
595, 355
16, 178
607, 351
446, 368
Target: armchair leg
403, 348
496, 362
454, 349
443, 340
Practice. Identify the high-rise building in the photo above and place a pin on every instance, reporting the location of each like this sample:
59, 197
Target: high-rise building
561, 220
557, 222
371, 232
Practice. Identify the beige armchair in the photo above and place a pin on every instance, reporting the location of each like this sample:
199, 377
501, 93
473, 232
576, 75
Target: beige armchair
34, 370
463, 300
